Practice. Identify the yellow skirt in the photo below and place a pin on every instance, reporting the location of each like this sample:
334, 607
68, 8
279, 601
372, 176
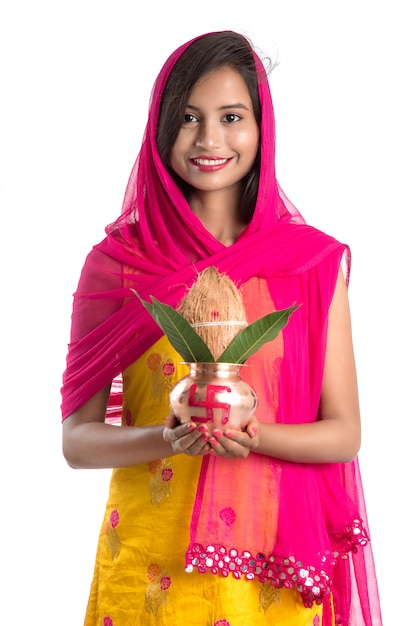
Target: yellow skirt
139, 577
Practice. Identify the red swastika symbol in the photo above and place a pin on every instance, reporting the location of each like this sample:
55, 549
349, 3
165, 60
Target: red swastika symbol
209, 404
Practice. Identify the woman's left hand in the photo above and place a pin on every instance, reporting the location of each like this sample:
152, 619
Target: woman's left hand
234, 444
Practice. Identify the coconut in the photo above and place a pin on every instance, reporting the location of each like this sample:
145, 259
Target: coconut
214, 307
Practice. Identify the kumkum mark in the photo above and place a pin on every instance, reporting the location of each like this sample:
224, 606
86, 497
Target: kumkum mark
210, 403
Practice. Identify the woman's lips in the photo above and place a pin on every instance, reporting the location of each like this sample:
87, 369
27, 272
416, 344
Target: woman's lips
209, 164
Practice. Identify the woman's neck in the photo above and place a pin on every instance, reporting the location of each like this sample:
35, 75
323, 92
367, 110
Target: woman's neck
218, 213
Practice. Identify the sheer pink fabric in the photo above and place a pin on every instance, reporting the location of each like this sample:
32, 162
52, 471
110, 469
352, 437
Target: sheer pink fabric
156, 246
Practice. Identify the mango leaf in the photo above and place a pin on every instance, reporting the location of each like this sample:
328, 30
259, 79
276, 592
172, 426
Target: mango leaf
255, 335
179, 332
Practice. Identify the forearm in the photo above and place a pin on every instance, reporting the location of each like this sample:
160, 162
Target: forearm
97, 445
324, 441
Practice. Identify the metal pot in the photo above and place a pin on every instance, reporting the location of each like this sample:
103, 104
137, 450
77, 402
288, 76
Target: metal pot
213, 393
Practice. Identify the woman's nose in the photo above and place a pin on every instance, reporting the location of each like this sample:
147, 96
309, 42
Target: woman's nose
209, 135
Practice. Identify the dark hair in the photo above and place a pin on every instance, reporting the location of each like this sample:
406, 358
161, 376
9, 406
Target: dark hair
206, 54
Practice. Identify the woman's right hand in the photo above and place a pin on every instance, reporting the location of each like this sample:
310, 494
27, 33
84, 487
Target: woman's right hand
188, 438
89, 442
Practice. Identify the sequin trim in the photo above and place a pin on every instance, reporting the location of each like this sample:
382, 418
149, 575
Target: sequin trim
313, 583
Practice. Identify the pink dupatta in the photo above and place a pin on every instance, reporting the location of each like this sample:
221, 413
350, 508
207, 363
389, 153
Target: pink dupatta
317, 539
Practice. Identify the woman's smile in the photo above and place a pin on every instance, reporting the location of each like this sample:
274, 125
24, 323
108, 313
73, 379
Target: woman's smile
209, 164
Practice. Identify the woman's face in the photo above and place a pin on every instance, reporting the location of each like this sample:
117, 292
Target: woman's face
218, 140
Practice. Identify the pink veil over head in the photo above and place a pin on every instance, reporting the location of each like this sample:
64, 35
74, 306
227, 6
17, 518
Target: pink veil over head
164, 244
157, 246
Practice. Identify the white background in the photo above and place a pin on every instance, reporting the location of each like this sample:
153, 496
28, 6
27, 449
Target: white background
75, 79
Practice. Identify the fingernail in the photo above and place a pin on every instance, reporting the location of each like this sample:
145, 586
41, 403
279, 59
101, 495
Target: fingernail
214, 442
217, 433
202, 429
191, 426
228, 433
254, 431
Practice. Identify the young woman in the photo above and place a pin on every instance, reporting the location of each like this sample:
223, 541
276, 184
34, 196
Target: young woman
261, 526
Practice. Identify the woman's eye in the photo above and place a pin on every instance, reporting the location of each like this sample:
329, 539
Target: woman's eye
189, 117
232, 117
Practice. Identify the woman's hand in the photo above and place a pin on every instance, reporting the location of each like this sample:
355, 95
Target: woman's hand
232, 443
188, 438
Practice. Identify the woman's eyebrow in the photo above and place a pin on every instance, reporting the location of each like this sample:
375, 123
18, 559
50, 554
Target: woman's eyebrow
224, 107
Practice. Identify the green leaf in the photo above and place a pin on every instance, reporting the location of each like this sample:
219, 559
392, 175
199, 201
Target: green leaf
179, 332
193, 349
255, 335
